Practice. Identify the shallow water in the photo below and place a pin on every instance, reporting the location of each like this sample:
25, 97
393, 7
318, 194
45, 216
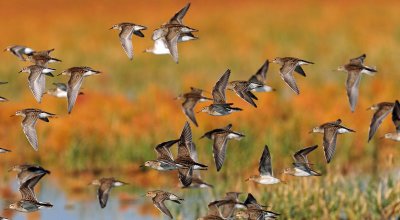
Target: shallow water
69, 209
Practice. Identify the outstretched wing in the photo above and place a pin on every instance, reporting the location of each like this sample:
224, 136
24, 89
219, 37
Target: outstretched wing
178, 17
265, 167
28, 127
352, 83
74, 84
218, 92
125, 37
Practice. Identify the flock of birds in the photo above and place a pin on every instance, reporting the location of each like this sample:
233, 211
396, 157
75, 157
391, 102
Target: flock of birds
166, 39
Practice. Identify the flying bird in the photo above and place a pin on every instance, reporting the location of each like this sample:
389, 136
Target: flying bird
37, 79
219, 107
159, 197
105, 186
221, 137
190, 100
290, 64
30, 117
27, 171
382, 110
75, 82
165, 160
330, 131
19, 51
125, 35
29, 202
265, 169
355, 68
170, 34
185, 157
260, 78
302, 167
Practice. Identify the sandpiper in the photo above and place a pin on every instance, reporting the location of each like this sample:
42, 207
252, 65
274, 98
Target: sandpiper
125, 35
382, 110
184, 157
27, 171
28, 202
75, 82
252, 204
165, 160
221, 137
265, 169
260, 78
330, 131
213, 210
159, 196
19, 51
2, 99
219, 106
105, 185
290, 64
197, 181
243, 90
167, 37
41, 59
190, 100
396, 121
60, 91
37, 79
30, 116
301, 165
2, 150
354, 70
228, 210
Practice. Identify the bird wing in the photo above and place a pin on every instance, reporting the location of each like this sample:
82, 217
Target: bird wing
36, 81
377, 119
330, 135
103, 192
261, 75
218, 92
396, 116
28, 127
74, 84
287, 75
27, 187
161, 206
185, 142
185, 176
265, 167
247, 96
301, 155
352, 83
163, 151
219, 149
187, 107
125, 37
178, 17
172, 42
358, 60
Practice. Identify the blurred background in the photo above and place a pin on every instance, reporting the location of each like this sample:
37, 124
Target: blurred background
130, 107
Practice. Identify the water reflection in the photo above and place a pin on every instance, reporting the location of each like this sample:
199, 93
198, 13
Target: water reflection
67, 209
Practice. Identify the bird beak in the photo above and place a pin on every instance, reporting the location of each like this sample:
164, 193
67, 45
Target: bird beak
368, 108
199, 111
247, 179
310, 132
59, 74
141, 166
382, 137
12, 115
9, 170
20, 71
